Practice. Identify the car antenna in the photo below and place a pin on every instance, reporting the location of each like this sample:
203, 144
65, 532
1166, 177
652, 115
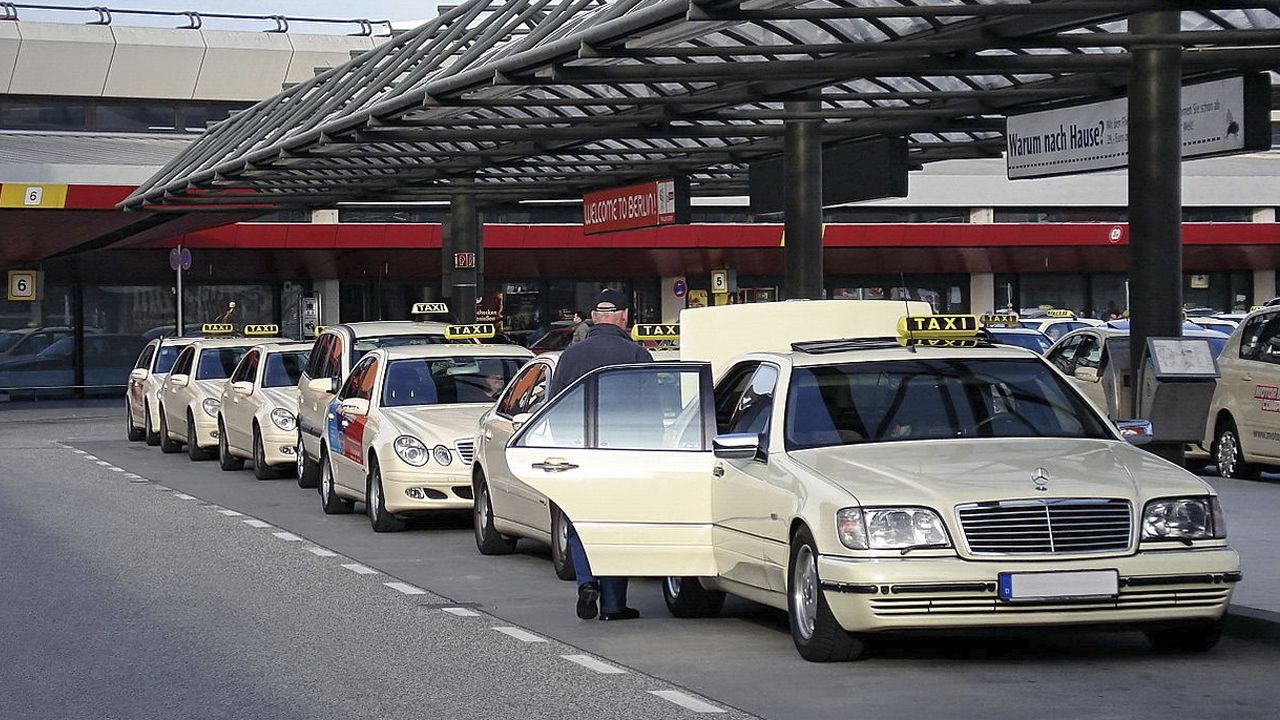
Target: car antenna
906, 304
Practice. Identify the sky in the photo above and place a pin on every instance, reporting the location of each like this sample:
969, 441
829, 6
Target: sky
398, 10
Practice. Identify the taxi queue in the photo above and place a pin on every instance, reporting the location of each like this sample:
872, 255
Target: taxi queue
900, 472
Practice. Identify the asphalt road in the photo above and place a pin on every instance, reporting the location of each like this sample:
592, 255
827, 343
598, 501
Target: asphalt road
130, 590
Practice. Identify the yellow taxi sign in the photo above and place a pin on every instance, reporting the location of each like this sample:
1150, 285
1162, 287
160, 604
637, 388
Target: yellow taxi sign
655, 331
217, 329
1256, 308
261, 330
999, 319
472, 331
938, 326
429, 308
1059, 313
320, 329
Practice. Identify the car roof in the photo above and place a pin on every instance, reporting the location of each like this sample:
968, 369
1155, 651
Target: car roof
378, 328
285, 346
245, 342
406, 352
1015, 330
889, 349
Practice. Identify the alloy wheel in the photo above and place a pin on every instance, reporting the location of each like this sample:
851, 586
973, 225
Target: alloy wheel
804, 591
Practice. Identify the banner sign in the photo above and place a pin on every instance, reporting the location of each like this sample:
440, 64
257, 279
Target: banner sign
1217, 119
634, 206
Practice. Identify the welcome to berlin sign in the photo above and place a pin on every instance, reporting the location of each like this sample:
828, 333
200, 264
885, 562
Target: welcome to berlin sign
634, 206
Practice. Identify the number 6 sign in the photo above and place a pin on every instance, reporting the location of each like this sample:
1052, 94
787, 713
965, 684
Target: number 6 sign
23, 284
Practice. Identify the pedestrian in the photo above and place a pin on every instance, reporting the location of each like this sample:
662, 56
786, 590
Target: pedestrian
607, 342
580, 327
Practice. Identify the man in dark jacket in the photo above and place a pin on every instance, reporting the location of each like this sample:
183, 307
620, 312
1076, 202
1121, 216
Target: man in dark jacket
607, 343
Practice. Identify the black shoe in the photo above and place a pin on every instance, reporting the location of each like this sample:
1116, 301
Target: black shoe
588, 594
623, 614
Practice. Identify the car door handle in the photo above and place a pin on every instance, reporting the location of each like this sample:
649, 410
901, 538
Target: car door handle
1247, 378
554, 465
718, 471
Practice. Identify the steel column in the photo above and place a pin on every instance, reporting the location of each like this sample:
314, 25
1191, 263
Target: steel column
463, 234
802, 174
1155, 194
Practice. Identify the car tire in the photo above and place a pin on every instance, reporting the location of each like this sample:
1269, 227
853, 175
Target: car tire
226, 460
330, 501
130, 431
561, 558
307, 472
686, 598
261, 469
1191, 638
194, 451
376, 505
488, 540
1229, 454
149, 435
167, 444
817, 635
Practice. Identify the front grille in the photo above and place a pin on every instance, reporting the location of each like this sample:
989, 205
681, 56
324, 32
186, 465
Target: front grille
986, 603
466, 450
1024, 527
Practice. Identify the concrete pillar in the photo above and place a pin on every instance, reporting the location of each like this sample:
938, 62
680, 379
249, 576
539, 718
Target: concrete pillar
802, 174
982, 215
463, 230
671, 303
982, 293
329, 300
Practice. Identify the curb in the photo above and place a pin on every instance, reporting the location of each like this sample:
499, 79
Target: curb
1252, 624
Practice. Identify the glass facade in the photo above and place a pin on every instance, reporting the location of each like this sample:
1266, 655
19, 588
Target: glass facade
125, 116
944, 293
1099, 295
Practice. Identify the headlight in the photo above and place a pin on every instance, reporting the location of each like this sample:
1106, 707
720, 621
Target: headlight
442, 454
892, 528
411, 450
283, 419
1183, 519
211, 406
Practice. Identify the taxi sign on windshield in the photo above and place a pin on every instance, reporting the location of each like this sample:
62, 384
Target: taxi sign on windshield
1059, 313
656, 331
473, 331
261, 330
217, 329
429, 308
920, 327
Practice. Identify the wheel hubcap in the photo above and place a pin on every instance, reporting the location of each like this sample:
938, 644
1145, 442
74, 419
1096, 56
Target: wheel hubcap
1227, 454
804, 591
562, 537
302, 459
480, 513
375, 497
673, 586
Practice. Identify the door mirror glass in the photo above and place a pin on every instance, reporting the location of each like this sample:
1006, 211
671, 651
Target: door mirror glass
179, 380
355, 407
244, 387
737, 446
139, 374
1087, 374
1136, 432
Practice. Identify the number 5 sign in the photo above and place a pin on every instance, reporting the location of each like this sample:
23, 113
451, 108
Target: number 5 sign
24, 284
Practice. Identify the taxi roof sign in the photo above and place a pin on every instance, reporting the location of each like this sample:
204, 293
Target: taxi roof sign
261, 330
1059, 313
1000, 320
217, 329
320, 329
429, 308
1256, 308
656, 331
472, 331
922, 327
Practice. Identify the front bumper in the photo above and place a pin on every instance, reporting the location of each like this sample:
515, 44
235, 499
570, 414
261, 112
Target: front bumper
279, 447
206, 430
436, 490
870, 595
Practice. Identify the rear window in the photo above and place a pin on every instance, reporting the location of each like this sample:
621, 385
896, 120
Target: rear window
219, 363
284, 369
165, 358
442, 381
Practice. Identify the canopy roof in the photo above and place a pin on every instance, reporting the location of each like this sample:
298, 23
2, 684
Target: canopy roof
544, 99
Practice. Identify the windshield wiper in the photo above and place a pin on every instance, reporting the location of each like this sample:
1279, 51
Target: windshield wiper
933, 546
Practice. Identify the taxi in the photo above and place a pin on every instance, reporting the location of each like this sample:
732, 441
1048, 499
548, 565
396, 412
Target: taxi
1057, 322
1243, 428
142, 396
257, 412
337, 349
881, 480
399, 434
1008, 330
189, 400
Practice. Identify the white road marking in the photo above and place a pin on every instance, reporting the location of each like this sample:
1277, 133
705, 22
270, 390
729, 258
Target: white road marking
103, 463
287, 536
461, 612
133, 476
256, 523
184, 496
81, 452
405, 588
591, 663
87, 456
116, 469
322, 552
359, 569
230, 513
687, 702
519, 634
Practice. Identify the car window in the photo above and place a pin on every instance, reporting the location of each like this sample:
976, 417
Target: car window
183, 364
1251, 337
247, 368
554, 340
319, 353
1090, 352
359, 384
1064, 357
284, 369
219, 363
527, 389
754, 408
166, 355
61, 348
447, 380
1269, 341
333, 366
144, 359
562, 426
9, 339
852, 403
729, 393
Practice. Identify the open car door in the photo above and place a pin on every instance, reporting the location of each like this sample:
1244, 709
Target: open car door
625, 452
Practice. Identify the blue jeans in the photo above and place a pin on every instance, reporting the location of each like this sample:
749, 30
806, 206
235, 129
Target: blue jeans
613, 590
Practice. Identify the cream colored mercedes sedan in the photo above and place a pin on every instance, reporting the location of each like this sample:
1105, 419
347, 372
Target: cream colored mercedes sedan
189, 399
400, 433
1243, 428
906, 478
257, 417
142, 396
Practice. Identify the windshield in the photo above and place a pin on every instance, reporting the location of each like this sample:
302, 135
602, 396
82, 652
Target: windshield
854, 403
1039, 343
9, 339
219, 363
165, 358
284, 369
440, 381
365, 344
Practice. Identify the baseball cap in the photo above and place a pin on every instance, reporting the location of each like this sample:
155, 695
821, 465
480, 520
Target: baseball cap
610, 301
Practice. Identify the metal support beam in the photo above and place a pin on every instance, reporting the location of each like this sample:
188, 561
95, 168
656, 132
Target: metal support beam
802, 173
462, 235
1155, 195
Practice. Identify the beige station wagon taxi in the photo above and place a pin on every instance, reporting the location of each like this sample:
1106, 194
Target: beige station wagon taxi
880, 480
257, 417
1243, 428
399, 435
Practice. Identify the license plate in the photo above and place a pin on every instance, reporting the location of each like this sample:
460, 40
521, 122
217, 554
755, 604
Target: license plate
1068, 585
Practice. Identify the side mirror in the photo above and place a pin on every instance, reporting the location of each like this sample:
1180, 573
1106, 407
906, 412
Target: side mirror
1087, 374
355, 407
737, 446
519, 419
179, 380
244, 387
139, 374
323, 385
1136, 432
